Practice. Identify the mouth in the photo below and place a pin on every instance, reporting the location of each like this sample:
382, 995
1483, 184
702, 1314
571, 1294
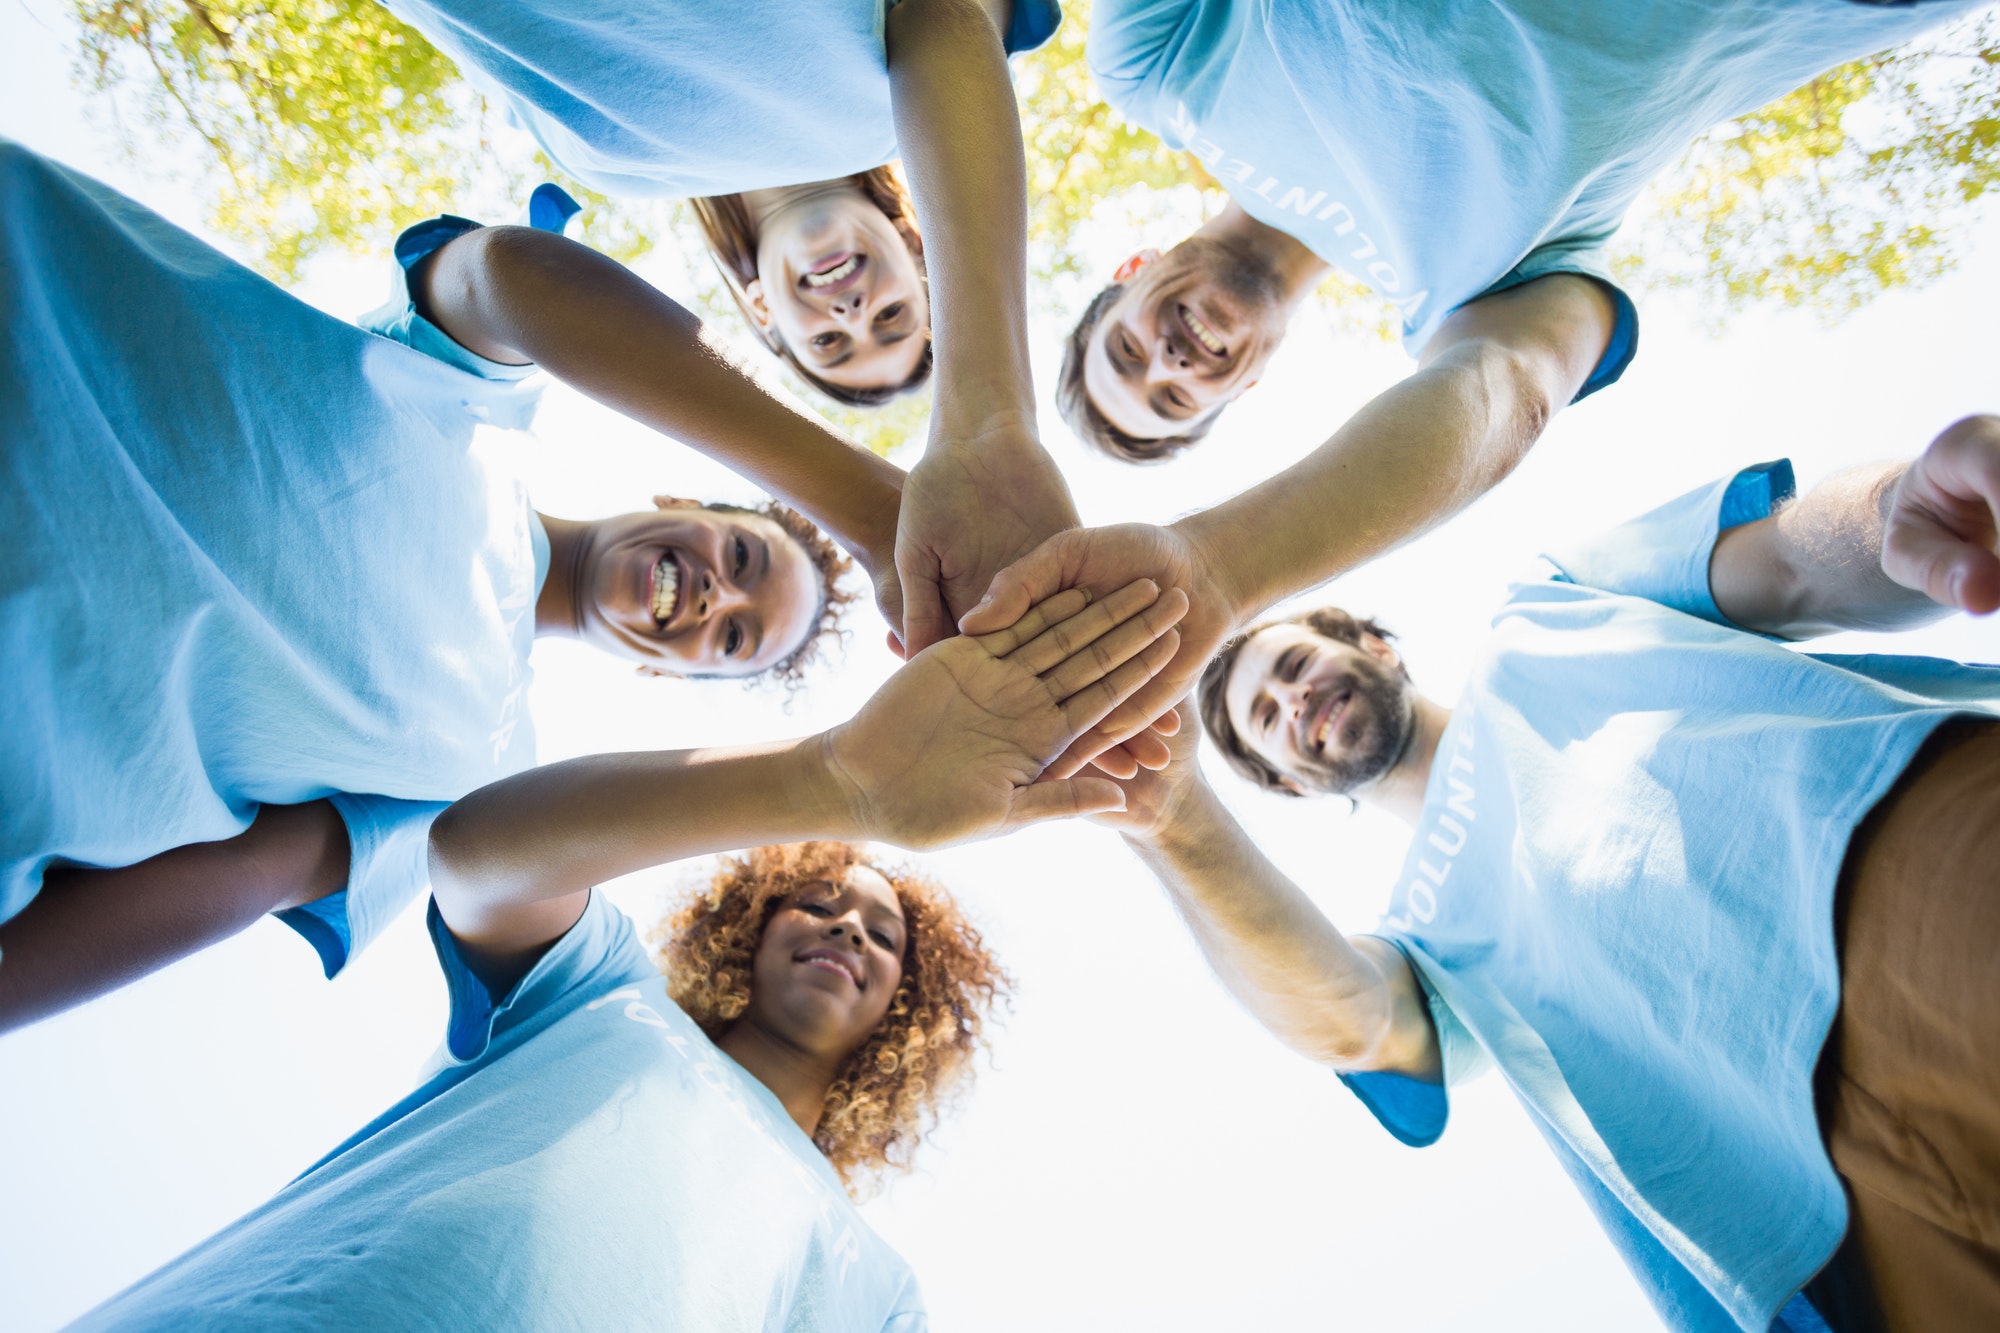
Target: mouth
830, 960
1204, 337
663, 590
1329, 719
834, 273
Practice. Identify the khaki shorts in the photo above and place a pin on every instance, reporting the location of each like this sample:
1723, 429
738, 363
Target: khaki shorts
1909, 1081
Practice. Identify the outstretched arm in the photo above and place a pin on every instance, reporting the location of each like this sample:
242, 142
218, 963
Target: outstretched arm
1353, 1005
1883, 547
518, 295
949, 749
91, 931
985, 493
1417, 454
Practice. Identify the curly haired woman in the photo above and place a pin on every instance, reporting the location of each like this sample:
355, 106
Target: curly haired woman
604, 1148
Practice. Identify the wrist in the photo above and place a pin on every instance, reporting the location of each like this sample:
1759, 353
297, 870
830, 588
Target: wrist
989, 424
824, 791
1189, 823
1207, 534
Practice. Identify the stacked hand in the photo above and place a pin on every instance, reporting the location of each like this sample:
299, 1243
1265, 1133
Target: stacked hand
1941, 535
1156, 800
1101, 560
952, 747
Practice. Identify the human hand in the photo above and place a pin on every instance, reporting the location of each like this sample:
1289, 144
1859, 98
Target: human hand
1154, 800
1941, 535
951, 747
969, 508
1102, 559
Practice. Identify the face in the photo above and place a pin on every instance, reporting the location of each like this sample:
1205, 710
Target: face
691, 591
1191, 331
1329, 716
829, 963
837, 283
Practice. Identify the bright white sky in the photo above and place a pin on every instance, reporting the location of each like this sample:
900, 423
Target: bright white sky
1141, 1154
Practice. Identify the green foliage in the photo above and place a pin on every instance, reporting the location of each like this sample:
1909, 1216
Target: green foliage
1859, 183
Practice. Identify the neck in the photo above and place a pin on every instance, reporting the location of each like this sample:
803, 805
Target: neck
1400, 791
761, 204
1298, 269
556, 607
796, 1077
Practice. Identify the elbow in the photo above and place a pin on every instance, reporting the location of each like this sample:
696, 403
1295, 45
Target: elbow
450, 855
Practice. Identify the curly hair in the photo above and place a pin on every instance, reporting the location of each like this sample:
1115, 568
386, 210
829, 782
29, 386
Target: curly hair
832, 565
1092, 426
891, 1092
1329, 622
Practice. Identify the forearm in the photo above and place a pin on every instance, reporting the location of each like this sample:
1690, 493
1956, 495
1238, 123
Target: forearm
90, 932
960, 134
1327, 999
517, 295
562, 828
1413, 457
1815, 566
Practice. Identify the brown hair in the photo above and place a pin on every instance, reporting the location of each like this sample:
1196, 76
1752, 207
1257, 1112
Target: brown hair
732, 242
830, 562
1092, 426
890, 1092
1329, 622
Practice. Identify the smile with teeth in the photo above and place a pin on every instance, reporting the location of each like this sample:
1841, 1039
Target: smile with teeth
1327, 719
834, 274
666, 589
1203, 334
832, 962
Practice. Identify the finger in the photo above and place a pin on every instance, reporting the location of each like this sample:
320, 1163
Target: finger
1128, 719
1148, 750
1040, 616
1934, 561
1087, 707
1117, 763
1061, 800
1102, 655
925, 620
1071, 633
1169, 722
896, 645
1035, 577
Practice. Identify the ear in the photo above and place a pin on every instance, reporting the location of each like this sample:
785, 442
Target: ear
1380, 650
753, 301
1128, 270
674, 502
659, 673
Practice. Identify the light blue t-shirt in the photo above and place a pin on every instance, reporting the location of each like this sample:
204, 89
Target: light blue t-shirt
1439, 150
1621, 890
581, 1158
676, 97
254, 555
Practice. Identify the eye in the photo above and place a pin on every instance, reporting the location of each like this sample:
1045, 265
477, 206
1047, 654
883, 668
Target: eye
732, 639
815, 909
882, 938
1128, 348
889, 313
1297, 667
825, 341
1179, 398
742, 549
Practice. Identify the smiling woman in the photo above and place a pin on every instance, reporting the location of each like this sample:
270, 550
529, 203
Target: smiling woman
790, 942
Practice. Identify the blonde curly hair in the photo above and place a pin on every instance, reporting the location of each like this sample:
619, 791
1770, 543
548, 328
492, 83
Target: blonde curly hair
890, 1093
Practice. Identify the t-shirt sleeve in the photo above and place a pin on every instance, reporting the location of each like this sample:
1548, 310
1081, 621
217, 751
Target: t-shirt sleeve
1033, 23
600, 952
387, 865
1663, 556
1587, 261
549, 209
1412, 1110
1130, 42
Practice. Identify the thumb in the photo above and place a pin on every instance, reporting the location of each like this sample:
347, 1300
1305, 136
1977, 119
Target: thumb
1064, 798
1943, 566
1035, 576
925, 620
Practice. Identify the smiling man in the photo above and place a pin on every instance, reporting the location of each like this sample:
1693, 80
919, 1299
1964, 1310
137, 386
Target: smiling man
1720, 911
1439, 153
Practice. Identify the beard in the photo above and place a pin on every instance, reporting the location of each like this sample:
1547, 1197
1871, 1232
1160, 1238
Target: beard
1244, 277
1374, 732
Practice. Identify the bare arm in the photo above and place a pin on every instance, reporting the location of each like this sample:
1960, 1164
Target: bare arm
949, 749
1413, 457
1887, 546
517, 295
91, 931
985, 493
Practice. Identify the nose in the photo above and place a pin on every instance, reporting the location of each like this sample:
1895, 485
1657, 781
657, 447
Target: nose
845, 929
850, 305
716, 596
1172, 362
1292, 695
